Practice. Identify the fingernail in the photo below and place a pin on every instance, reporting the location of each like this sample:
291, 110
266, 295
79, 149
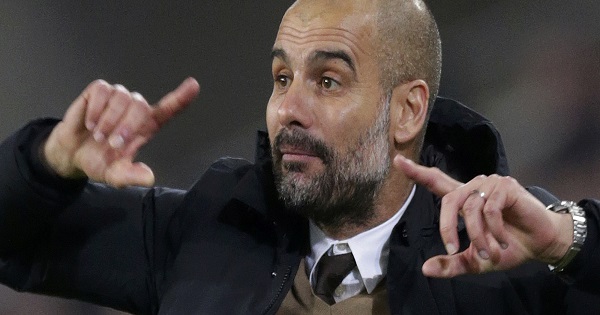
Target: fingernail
450, 249
98, 136
116, 141
90, 125
484, 254
120, 87
137, 96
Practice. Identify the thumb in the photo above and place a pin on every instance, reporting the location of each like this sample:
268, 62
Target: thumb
124, 173
430, 177
445, 266
75, 114
176, 100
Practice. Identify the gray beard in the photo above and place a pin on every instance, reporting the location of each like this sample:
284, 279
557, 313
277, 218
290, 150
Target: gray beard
346, 191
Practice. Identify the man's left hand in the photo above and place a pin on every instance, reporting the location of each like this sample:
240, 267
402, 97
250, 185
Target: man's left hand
507, 225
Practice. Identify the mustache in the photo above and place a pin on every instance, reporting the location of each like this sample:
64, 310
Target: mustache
303, 141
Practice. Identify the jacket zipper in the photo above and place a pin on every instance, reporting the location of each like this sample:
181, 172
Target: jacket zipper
286, 276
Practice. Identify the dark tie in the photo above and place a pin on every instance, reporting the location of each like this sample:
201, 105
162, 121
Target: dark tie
331, 270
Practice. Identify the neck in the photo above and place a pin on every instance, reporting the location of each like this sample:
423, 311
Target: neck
389, 199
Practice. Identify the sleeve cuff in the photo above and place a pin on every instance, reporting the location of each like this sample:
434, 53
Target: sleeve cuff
35, 171
584, 269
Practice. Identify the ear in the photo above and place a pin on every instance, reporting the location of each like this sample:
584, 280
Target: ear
408, 105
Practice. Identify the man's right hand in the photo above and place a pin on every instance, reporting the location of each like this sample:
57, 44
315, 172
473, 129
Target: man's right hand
105, 127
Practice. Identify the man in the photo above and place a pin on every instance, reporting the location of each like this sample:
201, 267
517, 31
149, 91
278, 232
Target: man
354, 87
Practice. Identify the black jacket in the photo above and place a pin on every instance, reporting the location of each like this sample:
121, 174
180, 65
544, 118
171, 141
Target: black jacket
227, 246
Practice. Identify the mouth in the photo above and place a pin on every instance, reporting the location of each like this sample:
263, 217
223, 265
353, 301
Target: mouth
297, 150
295, 154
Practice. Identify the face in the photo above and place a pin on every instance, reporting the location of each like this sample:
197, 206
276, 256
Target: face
327, 117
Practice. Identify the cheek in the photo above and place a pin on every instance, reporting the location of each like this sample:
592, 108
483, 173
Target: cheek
345, 126
272, 119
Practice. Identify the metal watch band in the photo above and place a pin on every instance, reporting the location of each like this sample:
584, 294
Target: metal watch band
579, 231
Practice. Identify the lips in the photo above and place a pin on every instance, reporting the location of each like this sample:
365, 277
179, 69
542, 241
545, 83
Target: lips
298, 155
296, 151
298, 146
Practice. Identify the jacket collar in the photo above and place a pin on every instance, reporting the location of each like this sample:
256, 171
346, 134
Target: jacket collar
462, 143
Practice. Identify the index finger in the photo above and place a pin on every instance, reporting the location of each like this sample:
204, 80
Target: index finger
176, 100
430, 177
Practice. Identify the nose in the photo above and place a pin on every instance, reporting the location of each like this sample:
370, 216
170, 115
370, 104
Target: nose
295, 109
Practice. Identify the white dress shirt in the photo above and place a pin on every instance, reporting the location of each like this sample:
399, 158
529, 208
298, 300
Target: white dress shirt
370, 249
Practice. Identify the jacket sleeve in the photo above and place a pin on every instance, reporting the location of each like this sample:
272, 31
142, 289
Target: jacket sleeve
78, 239
584, 271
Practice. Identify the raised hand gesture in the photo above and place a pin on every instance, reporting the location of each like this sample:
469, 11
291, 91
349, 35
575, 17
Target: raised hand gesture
104, 128
507, 225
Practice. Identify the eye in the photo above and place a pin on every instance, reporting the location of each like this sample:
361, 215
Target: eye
282, 81
329, 83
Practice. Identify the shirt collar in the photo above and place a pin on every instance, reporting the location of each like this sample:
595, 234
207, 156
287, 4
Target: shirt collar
370, 248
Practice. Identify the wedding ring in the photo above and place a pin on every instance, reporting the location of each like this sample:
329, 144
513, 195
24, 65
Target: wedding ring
478, 193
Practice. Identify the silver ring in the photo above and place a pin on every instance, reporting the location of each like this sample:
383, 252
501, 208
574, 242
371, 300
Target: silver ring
478, 193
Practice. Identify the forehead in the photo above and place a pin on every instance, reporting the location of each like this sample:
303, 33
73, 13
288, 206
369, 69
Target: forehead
347, 23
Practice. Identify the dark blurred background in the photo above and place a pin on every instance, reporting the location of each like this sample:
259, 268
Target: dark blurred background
532, 67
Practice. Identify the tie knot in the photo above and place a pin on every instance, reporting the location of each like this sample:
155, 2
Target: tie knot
330, 272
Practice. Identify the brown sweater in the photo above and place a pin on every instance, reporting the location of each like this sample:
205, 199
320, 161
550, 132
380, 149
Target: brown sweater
302, 301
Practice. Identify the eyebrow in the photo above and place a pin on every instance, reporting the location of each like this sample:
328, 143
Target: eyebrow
319, 55
336, 54
279, 53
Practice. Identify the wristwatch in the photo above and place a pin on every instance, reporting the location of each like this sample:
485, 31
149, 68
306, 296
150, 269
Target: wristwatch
579, 231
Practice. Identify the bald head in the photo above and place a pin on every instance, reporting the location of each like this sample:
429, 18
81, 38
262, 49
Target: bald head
406, 38
408, 45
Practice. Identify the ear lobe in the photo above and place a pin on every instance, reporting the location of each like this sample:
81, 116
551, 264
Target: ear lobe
411, 103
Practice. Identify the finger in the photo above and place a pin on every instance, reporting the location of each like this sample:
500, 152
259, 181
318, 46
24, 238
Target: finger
93, 159
136, 122
97, 94
444, 266
492, 212
440, 184
134, 146
176, 100
430, 177
448, 227
472, 212
451, 206
448, 266
138, 127
115, 108
75, 115
124, 173
66, 137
